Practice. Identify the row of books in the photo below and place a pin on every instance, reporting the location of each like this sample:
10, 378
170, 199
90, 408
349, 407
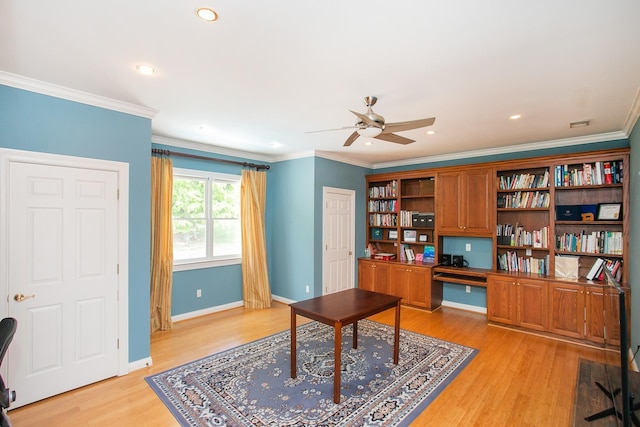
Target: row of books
509, 235
510, 261
524, 199
408, 254
523, 181
596, 242
597, 270
388, 190
598, 173
383, 206
383, 219
406, 218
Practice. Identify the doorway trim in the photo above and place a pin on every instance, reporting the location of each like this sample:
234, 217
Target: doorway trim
7, 156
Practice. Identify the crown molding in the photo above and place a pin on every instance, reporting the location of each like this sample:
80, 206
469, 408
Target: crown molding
634, 113
208, 148
338, 158
543, 145
44, 88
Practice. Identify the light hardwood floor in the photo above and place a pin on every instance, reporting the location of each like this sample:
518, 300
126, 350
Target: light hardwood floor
516, 379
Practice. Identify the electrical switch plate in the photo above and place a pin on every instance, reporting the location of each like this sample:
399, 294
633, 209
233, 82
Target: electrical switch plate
307, 288
198, 293
468, 289
468, 247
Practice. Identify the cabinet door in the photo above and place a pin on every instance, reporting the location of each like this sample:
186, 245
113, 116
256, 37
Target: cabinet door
566, 310
448, 194
477, 206
532, 304
399, 282
419, 286
501, 300
366, 274
381, 277
594, 304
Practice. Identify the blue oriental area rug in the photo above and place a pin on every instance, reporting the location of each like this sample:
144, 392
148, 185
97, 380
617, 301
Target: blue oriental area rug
251, 385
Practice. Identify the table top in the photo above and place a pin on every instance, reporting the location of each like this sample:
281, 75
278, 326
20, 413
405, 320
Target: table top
345, 306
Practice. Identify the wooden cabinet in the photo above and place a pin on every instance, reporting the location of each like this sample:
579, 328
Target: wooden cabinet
373, 275
517, 301
464, 202
566, 310
411, 282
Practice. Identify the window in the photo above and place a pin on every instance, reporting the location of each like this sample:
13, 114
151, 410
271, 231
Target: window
206, 219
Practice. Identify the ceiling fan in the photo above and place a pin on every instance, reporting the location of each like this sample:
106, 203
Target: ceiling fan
372, 125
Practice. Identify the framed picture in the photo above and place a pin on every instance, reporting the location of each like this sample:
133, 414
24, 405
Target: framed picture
393, 234
410, 235
609, 212
422, 238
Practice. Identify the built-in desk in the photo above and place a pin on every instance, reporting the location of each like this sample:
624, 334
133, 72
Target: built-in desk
463, 275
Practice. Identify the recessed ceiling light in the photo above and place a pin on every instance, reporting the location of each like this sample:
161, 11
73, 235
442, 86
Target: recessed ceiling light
276, 144
147, 70
368, 143
580, 124
431, 132
515, 117
207, 14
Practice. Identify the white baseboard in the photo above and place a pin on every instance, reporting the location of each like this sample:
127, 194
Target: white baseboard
466, 307
140, 364
198, 313
282, 299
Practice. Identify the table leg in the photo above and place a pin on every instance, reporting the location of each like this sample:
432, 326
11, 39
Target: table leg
337, 361
396, 340
294, 369
355, 334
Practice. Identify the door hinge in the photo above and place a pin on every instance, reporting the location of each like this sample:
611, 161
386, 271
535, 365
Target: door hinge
118, 343
117, 268
118, 194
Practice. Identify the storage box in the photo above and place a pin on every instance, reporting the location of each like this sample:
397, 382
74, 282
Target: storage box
424, 220
568, 213
567, 266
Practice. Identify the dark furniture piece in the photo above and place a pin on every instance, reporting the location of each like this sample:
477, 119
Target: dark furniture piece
340, 309
8, 327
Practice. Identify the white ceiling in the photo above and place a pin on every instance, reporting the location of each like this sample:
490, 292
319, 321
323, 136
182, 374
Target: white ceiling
271, 71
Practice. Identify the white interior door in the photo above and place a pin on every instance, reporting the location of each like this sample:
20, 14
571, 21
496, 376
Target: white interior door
338, 239
62, 278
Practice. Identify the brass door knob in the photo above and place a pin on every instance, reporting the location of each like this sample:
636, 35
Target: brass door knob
22, 297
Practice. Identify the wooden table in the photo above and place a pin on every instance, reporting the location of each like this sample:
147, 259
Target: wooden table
340, 309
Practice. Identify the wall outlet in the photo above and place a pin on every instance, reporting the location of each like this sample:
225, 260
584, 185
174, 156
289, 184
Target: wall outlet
468, 289
198, 293
468, 247
307, 288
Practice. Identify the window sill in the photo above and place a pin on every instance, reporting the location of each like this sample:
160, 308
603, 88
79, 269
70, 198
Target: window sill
206, 264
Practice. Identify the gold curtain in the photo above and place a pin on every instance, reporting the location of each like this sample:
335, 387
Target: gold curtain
161, 243
256, 292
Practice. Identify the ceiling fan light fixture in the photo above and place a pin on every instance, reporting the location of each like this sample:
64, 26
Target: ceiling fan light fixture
369, 132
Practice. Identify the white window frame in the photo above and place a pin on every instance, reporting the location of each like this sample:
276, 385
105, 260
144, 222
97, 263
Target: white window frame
183, 265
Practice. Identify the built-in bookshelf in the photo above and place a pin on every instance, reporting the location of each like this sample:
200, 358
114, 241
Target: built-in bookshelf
522, 228
571, 207
401, 219
590, 219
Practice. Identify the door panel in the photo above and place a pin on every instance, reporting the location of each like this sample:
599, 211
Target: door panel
338, 235
63, 228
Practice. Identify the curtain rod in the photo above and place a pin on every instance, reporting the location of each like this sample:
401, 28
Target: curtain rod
213, 159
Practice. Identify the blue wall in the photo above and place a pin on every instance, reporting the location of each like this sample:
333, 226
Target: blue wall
35, 122
292, 205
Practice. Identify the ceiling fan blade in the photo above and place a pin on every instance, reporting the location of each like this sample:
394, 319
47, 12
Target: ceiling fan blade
412, 124
351, 138
392, 137
366, 119
331, 130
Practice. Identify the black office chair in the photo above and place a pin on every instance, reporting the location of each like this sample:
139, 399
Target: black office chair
8, 327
